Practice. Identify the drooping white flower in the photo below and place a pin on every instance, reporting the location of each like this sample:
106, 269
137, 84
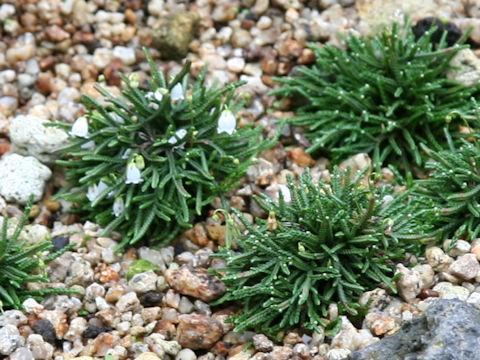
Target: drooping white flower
117, 118
92, 192
80, 128
158, 94
179, 135
88, 145
118, 207
226, 122
133, 174
287, 196
177, 92
95, 190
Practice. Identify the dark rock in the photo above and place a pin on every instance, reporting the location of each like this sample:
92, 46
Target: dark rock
174, 33
150, 298
453, 32
447, 330
92, 331
59, 242
45, 328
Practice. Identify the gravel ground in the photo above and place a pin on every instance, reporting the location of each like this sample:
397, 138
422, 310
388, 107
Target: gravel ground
53, 51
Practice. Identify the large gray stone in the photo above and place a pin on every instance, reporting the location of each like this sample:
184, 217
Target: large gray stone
449, 329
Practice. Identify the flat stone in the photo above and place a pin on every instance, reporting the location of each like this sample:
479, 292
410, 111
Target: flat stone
196, 282
448, 329
466, 267
447, 290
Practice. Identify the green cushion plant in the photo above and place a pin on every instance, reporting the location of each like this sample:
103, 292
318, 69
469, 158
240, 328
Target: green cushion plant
152, 158
383, 96
453, 185
19, 263
330, 244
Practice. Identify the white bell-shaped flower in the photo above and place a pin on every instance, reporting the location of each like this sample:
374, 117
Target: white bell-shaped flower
176, 93
95, 190
158, 95
179, 135
80, 128
88, 145
133, 174
226, 122
118, 207
117, 118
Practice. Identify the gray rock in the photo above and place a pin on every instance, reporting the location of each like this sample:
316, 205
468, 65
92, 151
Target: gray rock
22, 353
30, 136
447, 330
39, 348
173, 34
143, 282
80, 273
13, 317
21, 177
10, 339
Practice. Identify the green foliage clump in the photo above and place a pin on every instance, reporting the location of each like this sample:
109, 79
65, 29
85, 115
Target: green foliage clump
18, 262
152, 158
453, 186
330, 244
383, 96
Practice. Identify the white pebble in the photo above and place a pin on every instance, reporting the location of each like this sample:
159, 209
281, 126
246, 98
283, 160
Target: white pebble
236, 64
264, 22
126, 54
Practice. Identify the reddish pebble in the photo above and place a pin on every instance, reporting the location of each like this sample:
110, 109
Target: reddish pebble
426, 293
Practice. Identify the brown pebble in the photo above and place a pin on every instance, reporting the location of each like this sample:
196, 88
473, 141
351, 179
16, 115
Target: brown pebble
292, 338
47, 62
56, 34
195, 281
284, 67
269, 65
306, 57
52, 205
300, 157
198, 331
82, 37
130, 16
197, 235
220, 348
165, 328
217, 233
89, 72
34, 211
4, 146
105, 274
290, 48
247, 24
237, 349
268, 80
112, 72
426, 293
44, 83
28, 19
